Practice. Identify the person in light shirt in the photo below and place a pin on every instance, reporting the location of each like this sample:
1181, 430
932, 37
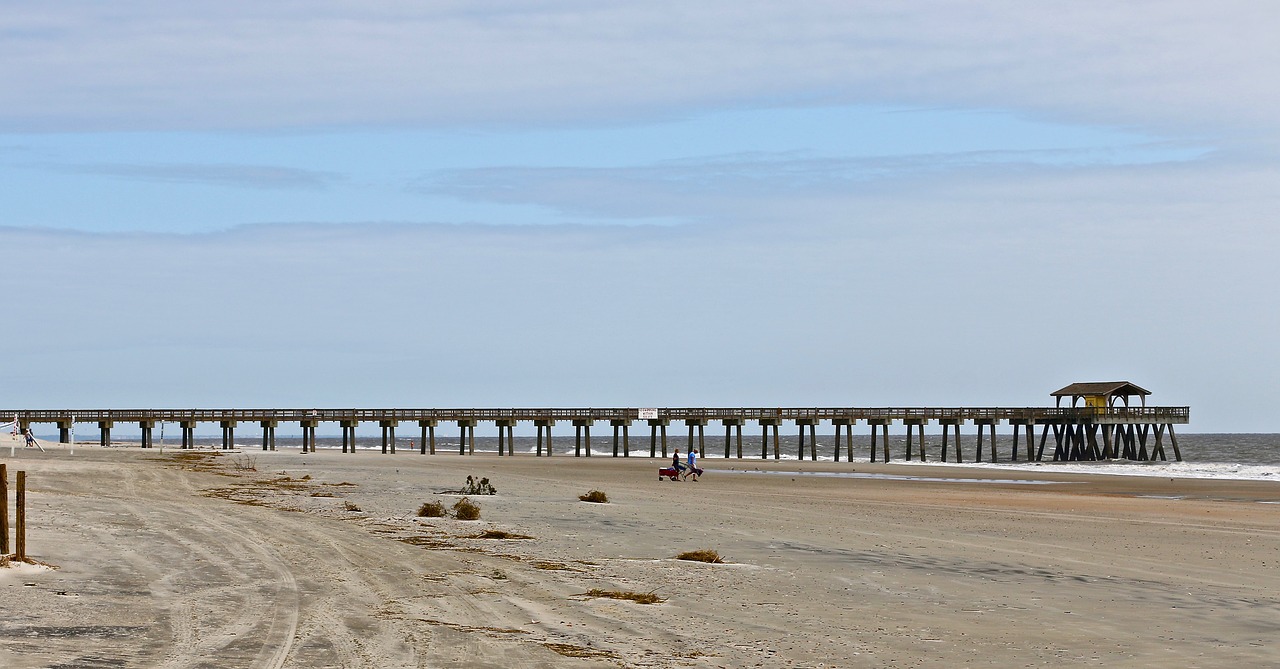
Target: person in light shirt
691, 468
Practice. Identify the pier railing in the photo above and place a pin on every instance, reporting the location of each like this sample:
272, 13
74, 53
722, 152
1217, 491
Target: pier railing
1162, 415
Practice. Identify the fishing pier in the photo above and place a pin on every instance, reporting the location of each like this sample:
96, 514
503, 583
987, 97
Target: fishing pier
1098, 425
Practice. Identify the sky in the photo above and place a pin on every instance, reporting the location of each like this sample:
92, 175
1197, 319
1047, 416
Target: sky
573, 204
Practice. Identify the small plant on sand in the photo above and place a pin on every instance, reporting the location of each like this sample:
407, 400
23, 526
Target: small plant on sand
465, 509
244, 463
479, 487
638, 597
596, 496
431, 510
351, 506
702, 556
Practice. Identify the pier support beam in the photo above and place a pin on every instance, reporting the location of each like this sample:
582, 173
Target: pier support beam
1108, 442
428, 437
879, 425
950, 425
228, 434
506, 435
730, 425
268, 435
1023, 425
349, 435
988, 425
1044, 435
847, 425
544, 423
581, 426
147, 426
308, 435
656, 424
701, 424
812, 424
624, 426
104, 433
388, 435
467, 438
765, 424
64, 431
188, 434
915, 425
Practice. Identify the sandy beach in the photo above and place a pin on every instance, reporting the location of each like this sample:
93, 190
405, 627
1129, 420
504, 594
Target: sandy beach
283, 559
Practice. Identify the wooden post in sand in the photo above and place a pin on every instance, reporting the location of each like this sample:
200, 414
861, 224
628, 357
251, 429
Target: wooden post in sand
20, 519
4, 509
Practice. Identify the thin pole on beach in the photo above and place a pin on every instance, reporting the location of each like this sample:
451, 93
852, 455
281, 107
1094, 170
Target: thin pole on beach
20, 524
4, 509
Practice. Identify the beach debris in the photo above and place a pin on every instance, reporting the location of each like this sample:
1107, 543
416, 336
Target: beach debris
596, 496
499, 534
704, 555
637, 597
432, 510
465, 509
479, 487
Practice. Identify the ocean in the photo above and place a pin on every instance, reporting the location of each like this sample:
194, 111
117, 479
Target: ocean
1225, 456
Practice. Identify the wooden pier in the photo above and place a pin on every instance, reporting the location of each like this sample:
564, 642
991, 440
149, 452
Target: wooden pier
1099, 429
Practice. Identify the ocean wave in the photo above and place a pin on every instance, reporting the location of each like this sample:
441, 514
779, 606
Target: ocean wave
1171, 469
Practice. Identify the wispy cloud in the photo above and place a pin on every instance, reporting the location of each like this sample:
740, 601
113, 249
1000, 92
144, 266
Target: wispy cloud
1183, 64
232, 176
695, 189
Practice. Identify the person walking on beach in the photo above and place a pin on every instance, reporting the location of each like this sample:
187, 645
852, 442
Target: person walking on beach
691, 468
677, 465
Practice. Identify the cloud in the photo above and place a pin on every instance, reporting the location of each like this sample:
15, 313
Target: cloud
1181, 66
772, 188
235, 176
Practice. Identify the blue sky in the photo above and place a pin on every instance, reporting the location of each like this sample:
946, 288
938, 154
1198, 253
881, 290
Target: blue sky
571, 203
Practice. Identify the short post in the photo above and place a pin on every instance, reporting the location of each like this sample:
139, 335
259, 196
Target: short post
4, 509
20, 520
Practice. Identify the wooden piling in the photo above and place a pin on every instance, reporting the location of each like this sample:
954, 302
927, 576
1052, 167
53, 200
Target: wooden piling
20, 519
544, 424
619, 429
915, 426
427, 443
4, 509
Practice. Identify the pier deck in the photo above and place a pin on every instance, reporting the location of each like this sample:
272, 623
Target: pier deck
1079, 433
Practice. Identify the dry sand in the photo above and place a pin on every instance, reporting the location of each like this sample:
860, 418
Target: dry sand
184, 560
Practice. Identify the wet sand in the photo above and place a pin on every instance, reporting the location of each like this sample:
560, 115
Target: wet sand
319, 560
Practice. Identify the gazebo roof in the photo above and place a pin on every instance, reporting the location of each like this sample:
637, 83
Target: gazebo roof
1107, 388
